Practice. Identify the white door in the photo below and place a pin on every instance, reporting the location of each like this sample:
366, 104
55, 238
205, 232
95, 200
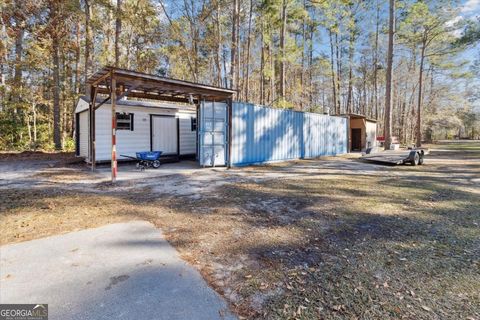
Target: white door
213, 133
84, 133
164, 134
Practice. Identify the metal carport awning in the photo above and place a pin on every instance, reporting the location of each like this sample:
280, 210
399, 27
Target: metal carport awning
117, 83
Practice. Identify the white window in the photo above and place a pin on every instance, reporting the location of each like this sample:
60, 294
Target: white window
124, 121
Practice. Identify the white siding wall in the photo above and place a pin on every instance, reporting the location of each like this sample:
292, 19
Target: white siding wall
188, 138
129, 142
84, 134
371, 133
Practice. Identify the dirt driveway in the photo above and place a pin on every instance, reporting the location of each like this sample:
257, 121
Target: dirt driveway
330, 238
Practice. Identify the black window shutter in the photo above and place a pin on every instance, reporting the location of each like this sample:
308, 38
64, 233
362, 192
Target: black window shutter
131, 121
193, 124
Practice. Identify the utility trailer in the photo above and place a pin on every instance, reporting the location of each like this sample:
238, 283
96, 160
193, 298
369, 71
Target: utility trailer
413, 156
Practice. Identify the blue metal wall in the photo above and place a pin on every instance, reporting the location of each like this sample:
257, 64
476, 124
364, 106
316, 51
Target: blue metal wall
262, 134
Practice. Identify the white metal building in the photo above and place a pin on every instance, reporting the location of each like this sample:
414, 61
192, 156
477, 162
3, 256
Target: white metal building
141, 126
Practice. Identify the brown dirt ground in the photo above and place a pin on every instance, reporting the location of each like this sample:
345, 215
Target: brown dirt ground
403, 243
37, 155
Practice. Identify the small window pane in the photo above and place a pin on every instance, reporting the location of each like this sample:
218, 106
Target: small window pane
194, 124
124, 121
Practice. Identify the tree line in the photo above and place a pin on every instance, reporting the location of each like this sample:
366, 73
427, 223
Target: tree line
411, 65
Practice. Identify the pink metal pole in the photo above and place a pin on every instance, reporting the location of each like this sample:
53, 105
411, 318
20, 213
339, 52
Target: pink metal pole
113, 98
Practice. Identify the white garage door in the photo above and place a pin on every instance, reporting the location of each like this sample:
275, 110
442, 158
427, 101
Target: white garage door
164, 134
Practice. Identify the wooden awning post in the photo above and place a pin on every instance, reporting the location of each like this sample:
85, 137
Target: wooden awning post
113, 95
229, 132
93, 97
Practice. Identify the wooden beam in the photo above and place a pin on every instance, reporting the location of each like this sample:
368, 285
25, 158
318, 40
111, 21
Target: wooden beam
100, 79
102, 103
229, 133
90, 140
127, 92
93, 124
136, 94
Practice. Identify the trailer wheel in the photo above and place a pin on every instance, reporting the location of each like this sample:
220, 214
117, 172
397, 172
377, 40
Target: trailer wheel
416, 159
420, 160
156, 164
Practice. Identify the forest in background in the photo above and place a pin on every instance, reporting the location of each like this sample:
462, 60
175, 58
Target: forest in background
327, 56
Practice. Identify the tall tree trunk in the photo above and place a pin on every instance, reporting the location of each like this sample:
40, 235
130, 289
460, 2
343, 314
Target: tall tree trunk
34, 112
351, 52
332, 70
225, 72
283, 33
310, 67
219, 45
302, 73
375, 62
388, 90
118, 30
339, 74
350, 73
273, 96
57, 139
237, 69
234, 49
418, 132
88, 40
262, 65
76, 83
247, 75
19, 35
17, 78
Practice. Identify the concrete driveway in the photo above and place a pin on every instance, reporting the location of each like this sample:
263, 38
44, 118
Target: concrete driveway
119, 271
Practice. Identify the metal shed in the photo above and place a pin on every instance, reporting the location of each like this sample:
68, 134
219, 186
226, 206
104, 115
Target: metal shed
213, 106
261, 134
362, 133
226, 133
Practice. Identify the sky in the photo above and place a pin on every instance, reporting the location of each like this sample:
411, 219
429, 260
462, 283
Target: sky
470, 9
467, 10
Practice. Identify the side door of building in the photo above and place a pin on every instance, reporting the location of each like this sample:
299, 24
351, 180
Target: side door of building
212, 133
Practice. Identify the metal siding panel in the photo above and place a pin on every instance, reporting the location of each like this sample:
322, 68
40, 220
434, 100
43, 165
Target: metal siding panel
277, 122
252, 133
289, 137
300, 143
255, 136
261, 150
286, 135
240, 132
233, 138
84, 133
262, 134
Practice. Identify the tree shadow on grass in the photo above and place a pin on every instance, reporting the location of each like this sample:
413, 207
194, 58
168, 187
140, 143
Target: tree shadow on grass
339, 230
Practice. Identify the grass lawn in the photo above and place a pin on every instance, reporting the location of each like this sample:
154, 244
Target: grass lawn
315, 241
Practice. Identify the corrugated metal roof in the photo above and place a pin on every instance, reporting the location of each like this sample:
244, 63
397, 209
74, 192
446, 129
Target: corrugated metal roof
140, 103
143, 85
